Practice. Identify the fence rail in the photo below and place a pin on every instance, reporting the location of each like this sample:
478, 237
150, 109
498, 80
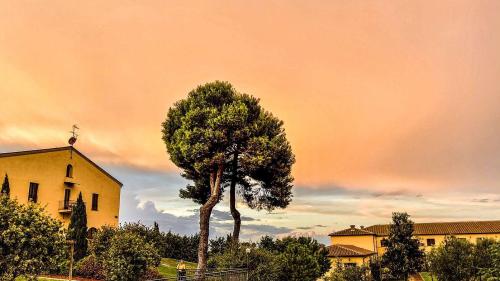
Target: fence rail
228, 274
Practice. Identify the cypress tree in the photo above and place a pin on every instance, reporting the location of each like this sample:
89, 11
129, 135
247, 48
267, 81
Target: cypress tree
403, 256
77, 229
5, 186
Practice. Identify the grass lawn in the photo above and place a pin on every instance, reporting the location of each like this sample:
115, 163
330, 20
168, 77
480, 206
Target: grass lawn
427, 276
168, 267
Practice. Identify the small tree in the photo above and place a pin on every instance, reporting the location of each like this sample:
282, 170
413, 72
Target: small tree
77, 229
31, 242
376, 269
403, 256
5, 186
482, 255
453, 260
129, 257
492, 272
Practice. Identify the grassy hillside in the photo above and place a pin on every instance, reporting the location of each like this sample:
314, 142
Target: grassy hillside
168, 267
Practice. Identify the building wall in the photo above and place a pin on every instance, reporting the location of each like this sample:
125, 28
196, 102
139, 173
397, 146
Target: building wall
359, 261
439, 239
48, 169
362, 241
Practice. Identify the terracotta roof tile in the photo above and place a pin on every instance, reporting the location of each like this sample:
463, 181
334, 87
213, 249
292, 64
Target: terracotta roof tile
444, 228
340, 250
352, 232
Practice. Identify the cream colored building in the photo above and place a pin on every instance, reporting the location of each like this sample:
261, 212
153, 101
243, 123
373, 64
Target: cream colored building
54, 177
355, 246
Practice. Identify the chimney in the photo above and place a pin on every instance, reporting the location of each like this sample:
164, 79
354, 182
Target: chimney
353, 226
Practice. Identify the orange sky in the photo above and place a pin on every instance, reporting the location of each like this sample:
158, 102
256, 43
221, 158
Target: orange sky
385, 95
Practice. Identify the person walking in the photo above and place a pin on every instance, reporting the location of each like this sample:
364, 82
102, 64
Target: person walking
181, 271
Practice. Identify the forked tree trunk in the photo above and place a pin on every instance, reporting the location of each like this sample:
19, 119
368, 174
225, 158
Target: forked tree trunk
205, 213
232, 200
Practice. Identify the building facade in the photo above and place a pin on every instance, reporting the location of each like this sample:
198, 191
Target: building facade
366, 242
54, 178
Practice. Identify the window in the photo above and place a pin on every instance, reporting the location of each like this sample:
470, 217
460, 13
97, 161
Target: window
67, 194
431, 242
33, 192
383, 242
69, 171
350, 264
95, 201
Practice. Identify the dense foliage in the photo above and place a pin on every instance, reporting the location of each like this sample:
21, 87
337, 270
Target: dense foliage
31, 242
125, 253
277, 260
129, 257
458, 259
180, 247
77, 229
403, 256
350, 273
492, 273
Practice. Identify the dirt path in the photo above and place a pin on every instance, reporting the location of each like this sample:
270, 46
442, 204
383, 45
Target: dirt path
416, 277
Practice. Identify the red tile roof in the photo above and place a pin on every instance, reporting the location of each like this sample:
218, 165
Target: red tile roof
444, 228
352, 232
340, 250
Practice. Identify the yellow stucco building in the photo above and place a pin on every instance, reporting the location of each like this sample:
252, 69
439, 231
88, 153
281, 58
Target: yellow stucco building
355, 246
54, 178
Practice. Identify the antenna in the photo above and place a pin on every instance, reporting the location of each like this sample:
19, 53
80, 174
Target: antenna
74, 135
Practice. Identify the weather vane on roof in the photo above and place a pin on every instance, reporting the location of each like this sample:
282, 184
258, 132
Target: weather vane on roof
74, 135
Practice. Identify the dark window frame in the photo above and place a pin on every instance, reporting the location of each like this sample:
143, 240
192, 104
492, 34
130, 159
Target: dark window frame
95, 202
69, 171
33, 192
431, 242
383, 242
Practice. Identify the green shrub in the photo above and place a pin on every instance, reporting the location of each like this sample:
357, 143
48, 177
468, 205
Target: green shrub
151, 274
261, 262
90, 267
453, 260
128, 257
492, 273
31, 242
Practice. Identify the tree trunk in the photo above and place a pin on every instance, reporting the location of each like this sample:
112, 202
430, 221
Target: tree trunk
232, 200
205, 213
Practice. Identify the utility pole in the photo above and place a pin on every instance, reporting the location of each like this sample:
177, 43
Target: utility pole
248, 266
71, 244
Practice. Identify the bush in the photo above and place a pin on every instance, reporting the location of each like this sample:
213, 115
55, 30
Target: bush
151, 274
492, 273
453, 260
260, 262
128, 257
89, 267
301, 258
101, 241
31, 242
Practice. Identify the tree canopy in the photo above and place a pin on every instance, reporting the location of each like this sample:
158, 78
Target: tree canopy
403, 256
